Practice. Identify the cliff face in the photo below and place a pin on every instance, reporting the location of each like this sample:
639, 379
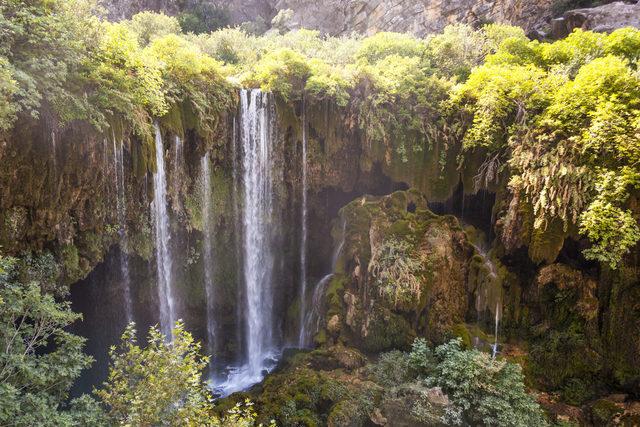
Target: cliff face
338, 17
420, 17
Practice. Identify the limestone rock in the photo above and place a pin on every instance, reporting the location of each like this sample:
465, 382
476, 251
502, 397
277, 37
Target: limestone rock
412, 273
603, 18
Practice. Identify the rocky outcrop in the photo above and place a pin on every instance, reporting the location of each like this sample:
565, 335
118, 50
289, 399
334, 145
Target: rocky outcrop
603, 18
420, 17
402, 272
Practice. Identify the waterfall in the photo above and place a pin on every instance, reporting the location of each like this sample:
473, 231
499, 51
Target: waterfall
237, 237
121, 209
54, 153
259, 227
494, 347
178, 161
488, 294
314, 316
208, 250
162, 240
303, 238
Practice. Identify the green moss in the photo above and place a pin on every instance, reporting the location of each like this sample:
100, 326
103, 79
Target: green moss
461, 331
334, 294
603, 411
70, 261
386, 331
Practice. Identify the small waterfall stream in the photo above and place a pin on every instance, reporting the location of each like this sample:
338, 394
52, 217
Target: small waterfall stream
121, 209
164, 262
208, 260
303, 234
313, 317
489, 295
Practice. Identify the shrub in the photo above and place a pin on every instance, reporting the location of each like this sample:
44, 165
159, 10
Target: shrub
483, 391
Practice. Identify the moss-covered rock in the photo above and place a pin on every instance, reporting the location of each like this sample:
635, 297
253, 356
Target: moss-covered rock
403, 273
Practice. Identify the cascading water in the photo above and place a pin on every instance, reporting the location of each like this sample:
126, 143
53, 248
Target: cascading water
208, 251
303, 234
237, 224
178, 164
489, 295
54, 153
494, 347
121, 208
162, 240
258, 223
314, 316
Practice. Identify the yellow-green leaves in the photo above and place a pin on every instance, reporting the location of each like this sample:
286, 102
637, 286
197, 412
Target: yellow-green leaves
283, 71
612, 231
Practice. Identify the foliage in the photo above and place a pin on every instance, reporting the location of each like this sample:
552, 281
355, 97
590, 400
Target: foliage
157, 385
39, 359
203, 17
564, 116
382, 45
484, 391
148, 26
553, 119
397, 272
391, 369
283, 71
44, 43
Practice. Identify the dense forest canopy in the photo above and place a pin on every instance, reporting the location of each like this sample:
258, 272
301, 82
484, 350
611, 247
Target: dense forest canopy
555, 124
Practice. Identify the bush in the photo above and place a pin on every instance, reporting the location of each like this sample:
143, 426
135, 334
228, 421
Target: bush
483, 391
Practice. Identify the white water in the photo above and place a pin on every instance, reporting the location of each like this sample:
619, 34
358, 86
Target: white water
303, 239
489, 291
121, 208
178, 164
54, 151
162, 240
494, 347
258, 221
314, 316
208, 251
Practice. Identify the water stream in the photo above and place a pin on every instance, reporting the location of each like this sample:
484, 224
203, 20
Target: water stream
313, 317
121, 209
302, 341
208, 260
164, 262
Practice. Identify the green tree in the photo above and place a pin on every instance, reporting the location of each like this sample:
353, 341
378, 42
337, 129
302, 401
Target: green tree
39, 359
150, 25
159, 384
46, 43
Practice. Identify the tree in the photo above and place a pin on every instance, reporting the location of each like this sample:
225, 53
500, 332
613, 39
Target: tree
159, 384
39, 359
